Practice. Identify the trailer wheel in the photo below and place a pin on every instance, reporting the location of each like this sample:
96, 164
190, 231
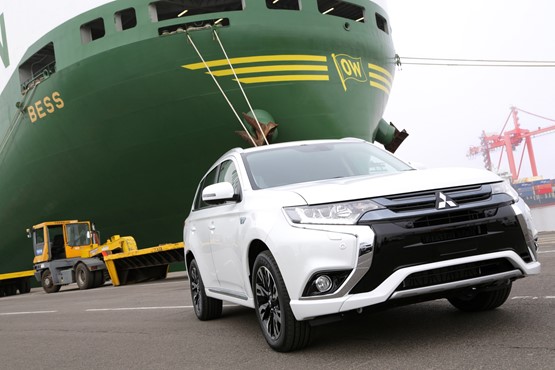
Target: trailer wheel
98, 278
84, 277
24, 286
10, 289
48, 283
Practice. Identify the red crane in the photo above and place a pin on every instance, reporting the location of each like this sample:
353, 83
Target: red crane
508, 141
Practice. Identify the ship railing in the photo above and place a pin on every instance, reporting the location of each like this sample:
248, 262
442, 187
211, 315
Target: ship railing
38, 76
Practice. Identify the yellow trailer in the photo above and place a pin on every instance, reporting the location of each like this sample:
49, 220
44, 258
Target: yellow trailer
13, 282
70, 251
142, 264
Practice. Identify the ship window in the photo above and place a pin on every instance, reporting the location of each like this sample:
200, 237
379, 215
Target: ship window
341, 9
382, 23
125, 19
163, 10
39, 66
283, 4
92, 31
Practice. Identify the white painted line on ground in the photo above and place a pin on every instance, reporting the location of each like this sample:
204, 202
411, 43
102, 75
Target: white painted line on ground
142, 308
553, 251
533, 297
525, 297
136, 308
25, 313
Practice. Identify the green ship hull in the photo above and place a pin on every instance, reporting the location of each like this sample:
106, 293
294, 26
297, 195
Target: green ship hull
120, 129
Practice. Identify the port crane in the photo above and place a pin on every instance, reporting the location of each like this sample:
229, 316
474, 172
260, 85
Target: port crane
508, 141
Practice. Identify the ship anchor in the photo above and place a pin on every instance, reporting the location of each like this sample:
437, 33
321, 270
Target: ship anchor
263, 132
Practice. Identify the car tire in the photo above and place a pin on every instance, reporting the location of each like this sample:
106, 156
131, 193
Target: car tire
48, 284
84, 277
277, 322
206, 308
482, 301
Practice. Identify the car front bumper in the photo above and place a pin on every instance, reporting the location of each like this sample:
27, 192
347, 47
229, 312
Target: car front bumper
308, 309
364, 250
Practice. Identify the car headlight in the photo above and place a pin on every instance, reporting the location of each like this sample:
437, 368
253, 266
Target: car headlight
504, 187
345, 213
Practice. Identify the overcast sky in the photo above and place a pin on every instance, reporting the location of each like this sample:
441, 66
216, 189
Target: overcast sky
444, 109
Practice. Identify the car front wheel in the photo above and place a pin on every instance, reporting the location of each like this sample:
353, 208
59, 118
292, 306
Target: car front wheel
279, 326
206, 308
482, 301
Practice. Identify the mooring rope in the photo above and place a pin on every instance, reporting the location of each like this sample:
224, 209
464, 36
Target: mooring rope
240, 86
221, 90
20, 113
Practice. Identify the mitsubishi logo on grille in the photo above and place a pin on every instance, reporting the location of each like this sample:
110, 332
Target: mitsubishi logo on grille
443, 201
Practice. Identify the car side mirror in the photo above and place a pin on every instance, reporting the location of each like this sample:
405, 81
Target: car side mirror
219, 193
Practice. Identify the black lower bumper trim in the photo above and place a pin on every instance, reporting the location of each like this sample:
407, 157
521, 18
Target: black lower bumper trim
397, 246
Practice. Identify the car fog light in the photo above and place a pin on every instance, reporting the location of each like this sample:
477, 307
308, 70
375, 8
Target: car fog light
323, 283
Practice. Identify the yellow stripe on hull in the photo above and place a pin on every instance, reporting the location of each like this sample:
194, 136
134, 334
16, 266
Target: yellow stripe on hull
380, 69
258, 59
380, 78
379, 86
273, 68
284, 78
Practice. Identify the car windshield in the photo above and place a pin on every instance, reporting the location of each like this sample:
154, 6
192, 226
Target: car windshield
313, 162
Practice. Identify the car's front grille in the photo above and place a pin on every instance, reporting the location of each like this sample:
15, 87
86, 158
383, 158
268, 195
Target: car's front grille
440, 236
427, 199
443, 218
452, 234
451, 274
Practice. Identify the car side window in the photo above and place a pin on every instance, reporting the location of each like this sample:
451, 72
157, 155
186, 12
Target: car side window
209, 179
228, 173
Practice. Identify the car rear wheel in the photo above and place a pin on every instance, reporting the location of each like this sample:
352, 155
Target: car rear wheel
482, 301
206, 308
279, 326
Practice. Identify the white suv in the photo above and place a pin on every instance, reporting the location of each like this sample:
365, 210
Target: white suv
302, 230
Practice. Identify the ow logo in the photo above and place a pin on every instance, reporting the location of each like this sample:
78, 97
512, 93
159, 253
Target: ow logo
349, 68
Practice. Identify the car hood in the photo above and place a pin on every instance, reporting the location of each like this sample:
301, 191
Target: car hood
360, 187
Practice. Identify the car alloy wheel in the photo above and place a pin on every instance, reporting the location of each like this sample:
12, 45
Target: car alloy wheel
206, 308
267, 297
194, 281
280, 328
